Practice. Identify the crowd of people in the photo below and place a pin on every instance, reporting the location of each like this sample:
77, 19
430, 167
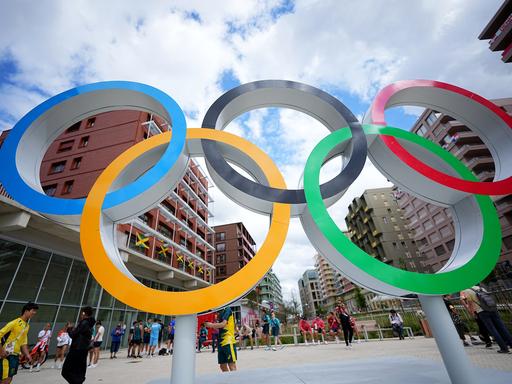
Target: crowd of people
78, 346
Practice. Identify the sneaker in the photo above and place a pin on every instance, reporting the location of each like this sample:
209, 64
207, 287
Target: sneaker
38, 368
488, 345
506, 351
282, 346
267, 348
252, 348
465, 343
274, 349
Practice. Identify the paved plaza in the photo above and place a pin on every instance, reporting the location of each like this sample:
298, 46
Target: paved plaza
410, 361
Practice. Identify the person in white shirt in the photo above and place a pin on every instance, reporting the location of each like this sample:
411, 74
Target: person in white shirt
97, 341
63, 342
43, 342
397, 323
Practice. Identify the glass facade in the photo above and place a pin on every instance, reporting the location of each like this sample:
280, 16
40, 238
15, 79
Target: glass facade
60, 286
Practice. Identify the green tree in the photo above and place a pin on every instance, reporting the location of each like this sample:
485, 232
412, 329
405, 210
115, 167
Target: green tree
360, 299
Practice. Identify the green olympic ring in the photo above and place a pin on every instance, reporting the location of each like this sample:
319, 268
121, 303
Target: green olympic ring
467, 275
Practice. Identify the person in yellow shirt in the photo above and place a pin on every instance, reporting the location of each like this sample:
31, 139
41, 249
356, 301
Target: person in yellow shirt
13, 340
227, 351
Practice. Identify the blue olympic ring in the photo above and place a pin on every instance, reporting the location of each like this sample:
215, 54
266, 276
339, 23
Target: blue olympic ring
38, 201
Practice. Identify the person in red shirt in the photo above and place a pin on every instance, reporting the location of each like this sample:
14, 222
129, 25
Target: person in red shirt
334, 326
305, 329
319, 329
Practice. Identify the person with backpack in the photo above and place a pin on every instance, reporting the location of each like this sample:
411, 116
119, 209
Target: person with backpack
397, 324
478, 300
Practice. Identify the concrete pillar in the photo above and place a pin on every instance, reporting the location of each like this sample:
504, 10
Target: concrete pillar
457, 363
184, 350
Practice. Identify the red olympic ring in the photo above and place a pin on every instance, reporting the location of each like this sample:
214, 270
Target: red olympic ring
500, 187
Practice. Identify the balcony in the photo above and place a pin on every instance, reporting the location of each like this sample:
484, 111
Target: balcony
472, 150
152, 232
485, 175
190, 211
183, 226
468, 138
479, 162
455, 126
376, 232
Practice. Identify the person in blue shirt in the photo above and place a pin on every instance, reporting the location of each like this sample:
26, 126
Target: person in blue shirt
116, 334
170, 337
275, 325
153, 339
203, 336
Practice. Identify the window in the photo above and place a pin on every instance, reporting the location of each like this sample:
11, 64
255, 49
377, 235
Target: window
58, 167
50, 190
450, 244
445, 231
393, 219
221, 236
90, 122
77, 161
75, 127
507, 241
221, 247
221, 270
66, 146
422, 213
165, 230
422, 130
431, 119
241, 264
440, 250
428, 224
439, 218
84, 142
433, 237
385, 220
68, 187
220, 259
396, 227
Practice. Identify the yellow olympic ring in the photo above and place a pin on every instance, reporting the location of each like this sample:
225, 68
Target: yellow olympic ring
137, 295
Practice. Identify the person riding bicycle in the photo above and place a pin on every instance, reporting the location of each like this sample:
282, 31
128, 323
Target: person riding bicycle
40, 350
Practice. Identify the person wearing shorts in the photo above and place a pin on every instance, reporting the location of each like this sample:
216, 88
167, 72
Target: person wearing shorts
275, 325
266, 329
13, 341
334, 326
319, 329
154, 333
227, 350
305, 330
97, 341
137, 339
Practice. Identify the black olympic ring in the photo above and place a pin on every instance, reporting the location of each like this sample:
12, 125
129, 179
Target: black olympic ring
326, 109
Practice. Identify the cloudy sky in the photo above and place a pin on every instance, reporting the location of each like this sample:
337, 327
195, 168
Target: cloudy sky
196, 50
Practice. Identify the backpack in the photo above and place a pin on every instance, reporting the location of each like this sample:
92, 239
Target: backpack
486, 301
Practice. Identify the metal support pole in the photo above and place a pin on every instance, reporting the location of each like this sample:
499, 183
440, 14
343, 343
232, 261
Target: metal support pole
455, 360
295, 341
184, 355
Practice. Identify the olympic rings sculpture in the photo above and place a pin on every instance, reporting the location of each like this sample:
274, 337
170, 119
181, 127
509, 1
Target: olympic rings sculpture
145, 173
